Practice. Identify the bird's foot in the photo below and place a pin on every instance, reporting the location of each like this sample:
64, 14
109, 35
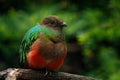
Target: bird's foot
46, 72
43, 71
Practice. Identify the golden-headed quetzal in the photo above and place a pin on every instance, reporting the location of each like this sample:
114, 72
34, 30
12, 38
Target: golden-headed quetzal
44, 46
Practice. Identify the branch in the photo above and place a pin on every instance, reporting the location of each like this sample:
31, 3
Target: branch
28, 74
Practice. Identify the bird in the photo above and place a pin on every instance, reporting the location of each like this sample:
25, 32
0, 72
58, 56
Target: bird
44, 45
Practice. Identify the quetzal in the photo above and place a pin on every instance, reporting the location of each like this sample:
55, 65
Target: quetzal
44, 46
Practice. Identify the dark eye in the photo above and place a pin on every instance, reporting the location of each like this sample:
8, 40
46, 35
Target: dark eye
52, 22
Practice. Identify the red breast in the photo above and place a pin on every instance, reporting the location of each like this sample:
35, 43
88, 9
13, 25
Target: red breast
37, 58
37, 61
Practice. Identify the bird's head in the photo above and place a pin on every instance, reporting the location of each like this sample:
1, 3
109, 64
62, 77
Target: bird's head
53, 22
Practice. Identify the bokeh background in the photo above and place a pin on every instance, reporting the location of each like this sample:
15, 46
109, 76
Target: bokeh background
92, 35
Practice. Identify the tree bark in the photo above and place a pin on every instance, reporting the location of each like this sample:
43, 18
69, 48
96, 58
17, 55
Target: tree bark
29, 74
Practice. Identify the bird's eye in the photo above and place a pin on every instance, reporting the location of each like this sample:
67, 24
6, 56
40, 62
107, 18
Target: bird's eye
52, 22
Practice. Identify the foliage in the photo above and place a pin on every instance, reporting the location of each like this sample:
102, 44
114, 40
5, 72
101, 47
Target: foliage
100, 42
96, 29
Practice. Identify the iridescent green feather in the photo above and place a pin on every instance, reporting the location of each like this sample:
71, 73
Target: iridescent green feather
29, 39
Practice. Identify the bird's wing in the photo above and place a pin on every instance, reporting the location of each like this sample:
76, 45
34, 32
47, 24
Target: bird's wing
27, 41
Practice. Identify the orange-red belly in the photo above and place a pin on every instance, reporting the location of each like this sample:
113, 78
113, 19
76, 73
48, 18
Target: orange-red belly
37, 61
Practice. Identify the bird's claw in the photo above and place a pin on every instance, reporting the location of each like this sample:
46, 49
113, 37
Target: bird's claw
46, 73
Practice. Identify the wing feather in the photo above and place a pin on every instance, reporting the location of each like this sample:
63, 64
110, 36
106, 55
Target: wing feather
27, 41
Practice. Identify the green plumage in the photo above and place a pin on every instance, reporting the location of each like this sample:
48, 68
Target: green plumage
30, 37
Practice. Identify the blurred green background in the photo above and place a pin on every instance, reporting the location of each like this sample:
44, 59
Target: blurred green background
92, 35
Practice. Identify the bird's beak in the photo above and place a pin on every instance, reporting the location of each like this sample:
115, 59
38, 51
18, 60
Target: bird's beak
64, 24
